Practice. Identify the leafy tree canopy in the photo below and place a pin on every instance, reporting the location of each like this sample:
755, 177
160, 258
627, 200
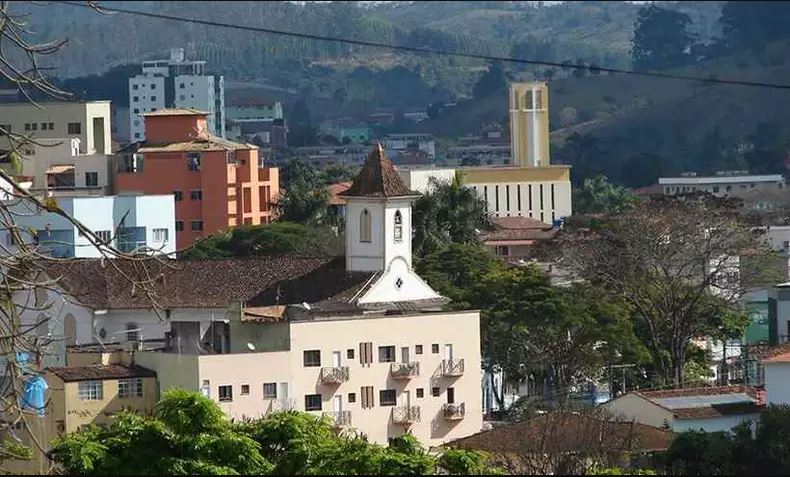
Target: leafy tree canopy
598, 196
661, 38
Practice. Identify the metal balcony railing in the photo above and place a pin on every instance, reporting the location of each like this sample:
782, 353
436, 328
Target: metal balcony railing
334, 375
405, 414
404, 370
452, 367
454, 412
339, 418
280, 405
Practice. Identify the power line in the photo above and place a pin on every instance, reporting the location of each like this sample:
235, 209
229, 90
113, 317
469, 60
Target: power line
415, 49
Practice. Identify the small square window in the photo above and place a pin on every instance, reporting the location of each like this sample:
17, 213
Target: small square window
196, 194
387, 397
136, 110
27, 126
135, 99
350, 353
179, 226
178, 195
153, 98
137, 135
269, 390
420, 392
435, 392
51, 126
72, 128
435, 348
352, 397
43, 126
134, 87
153, 85
197, 225
181, 85
386, 354
312, 402
312, 358
193, 161
417, 349
245, 389
225, 393
34, 127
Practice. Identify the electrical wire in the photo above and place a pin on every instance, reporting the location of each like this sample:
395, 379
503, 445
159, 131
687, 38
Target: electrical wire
415, 49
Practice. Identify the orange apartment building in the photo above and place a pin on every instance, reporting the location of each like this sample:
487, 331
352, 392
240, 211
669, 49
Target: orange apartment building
216, 183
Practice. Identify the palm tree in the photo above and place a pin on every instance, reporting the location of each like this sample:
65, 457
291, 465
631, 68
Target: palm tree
450, 213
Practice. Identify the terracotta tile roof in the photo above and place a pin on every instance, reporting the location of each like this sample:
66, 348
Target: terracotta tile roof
707, 402
778, 358
206, 142
717, 410
176, 112
378, 178
111, 371
566, 432
335, 190
775, 354
209, 283
519, 228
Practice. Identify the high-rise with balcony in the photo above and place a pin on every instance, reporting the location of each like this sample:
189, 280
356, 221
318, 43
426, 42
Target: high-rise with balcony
216, 183
176, 83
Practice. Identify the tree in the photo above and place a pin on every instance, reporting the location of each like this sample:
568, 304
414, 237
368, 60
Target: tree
585, 154
189, 434
641, 170
491, 82
449, 213
279, 238
598, 196
303, 197
676, 263
661, 38
751, 25
301, 131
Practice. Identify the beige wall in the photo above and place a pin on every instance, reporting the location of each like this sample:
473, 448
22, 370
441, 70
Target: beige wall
462, 330
92, 358
263, 336
60, 114
639, 409
510, 197
172, 370
60, 152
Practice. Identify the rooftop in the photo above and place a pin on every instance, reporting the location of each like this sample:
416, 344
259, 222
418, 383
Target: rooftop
110, 371
707, 402
176, 112
335, 190
566, 432
510, 229
720, 179
378, 178
206, 142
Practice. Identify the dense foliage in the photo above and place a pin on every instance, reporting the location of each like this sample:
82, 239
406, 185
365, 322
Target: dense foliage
661, 38
598, 196
188, 434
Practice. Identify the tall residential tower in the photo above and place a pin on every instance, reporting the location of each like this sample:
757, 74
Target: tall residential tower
176, 83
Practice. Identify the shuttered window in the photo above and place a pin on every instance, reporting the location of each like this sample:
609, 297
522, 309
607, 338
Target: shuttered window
366, 395
366, 353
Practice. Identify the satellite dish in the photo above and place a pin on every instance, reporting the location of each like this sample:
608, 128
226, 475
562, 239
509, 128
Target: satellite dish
250, 346
306, 305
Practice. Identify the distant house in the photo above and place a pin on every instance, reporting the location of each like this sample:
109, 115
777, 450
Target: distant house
567, 443
710, 409
336, 201
515, 237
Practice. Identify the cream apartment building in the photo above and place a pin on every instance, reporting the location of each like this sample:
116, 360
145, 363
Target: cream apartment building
361, 338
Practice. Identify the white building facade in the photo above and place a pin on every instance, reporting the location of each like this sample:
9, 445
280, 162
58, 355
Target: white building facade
176, 83
131, 223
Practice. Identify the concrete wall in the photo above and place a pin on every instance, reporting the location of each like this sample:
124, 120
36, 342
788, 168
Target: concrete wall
512, 199
639, 409
777, 377
173, 370
419, 180
715, 424
364, 256
461, 330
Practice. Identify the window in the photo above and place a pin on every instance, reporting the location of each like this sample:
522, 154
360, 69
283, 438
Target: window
435, 392
130, 388
193, 161
352, 397
269, 390
450, 395
181, 85
91, 179
34, 127
153, 85
245, 389
135, 87
552, 196
179, 226
420, 392
226, 393
6, 128
786, 244
364, 226
350, 353
312, 358
43, 126
153, 98
27, 126
197, 225
502, 250
137, 135
386, 354
132, 332
136, 110
387, 397
178, 195
90, 390
196, 194
529, 196
398, 227
103, 235
51, 126
715, 189
312, 402
160, 235
182, 97
417, 349
496, 198
435, 348
136, 122
74, 128
366, 393
365, 353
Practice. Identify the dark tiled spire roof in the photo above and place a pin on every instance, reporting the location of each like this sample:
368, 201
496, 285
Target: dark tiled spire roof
378, 178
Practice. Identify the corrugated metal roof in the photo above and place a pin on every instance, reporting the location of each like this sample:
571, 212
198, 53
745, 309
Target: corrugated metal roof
685, 402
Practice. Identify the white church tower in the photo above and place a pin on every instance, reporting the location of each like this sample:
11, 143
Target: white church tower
379, 233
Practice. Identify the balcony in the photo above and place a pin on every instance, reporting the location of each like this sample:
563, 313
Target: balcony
404, 370
339, 419
452, 368
334, 375
280, 405
453, 412
405, 414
